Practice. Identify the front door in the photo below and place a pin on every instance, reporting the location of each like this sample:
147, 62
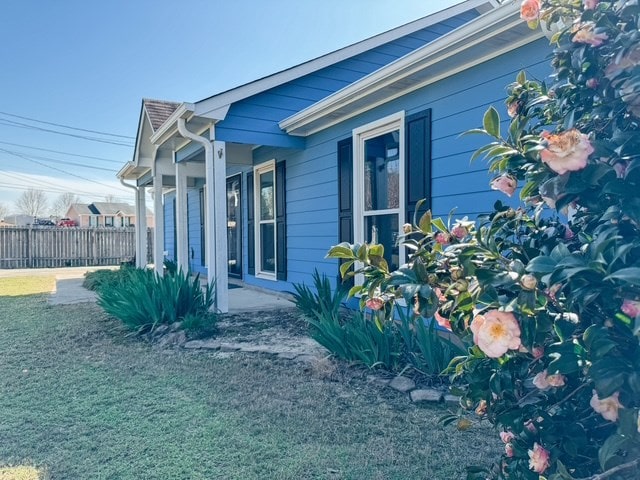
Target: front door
234, 225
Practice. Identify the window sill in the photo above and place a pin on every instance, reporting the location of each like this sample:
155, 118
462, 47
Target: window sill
266, 276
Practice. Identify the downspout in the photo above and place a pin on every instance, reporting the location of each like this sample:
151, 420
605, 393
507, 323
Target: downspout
216, 233
140, 233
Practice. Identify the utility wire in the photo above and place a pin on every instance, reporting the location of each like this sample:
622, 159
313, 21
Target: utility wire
59, 170
58, 191
31, 182
11, 123
64, 153
62, 162
67, 126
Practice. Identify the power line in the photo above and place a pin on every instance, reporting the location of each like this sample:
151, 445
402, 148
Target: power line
31, 182
67, 126
59, 170
86, 194
64, 153
62, 162
11, 123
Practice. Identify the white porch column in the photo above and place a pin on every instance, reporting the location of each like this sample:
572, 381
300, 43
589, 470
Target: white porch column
182, 235
158, 228
216, 169
216, 210
141, 227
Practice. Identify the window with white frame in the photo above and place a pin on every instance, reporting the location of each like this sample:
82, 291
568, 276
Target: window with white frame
379, 185
265, 215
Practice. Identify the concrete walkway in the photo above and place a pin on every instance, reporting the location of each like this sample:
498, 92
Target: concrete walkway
68, 290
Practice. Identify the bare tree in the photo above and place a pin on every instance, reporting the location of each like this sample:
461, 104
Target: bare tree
110, 198
63, 202
32, 202
4, 211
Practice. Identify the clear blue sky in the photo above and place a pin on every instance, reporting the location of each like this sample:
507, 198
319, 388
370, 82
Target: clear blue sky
88, 64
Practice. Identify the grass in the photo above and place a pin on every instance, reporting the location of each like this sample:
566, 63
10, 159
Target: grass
21, 472
80, 400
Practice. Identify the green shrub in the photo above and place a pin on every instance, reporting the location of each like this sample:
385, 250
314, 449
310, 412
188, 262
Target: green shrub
145, 299
105, 279
362, 338
201, 325
428, 350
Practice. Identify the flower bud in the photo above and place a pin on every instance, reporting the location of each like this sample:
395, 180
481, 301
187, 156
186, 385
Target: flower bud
407, 228
456, 273
528, 282
462, 285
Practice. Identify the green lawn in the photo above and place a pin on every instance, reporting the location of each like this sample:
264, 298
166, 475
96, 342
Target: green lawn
80, 400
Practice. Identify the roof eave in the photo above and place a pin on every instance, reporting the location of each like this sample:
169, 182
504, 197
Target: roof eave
325, 113
229, 97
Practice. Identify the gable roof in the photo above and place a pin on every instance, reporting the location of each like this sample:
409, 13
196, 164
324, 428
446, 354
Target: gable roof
488, 36
158, 111
215, 108
82, 209
113, 208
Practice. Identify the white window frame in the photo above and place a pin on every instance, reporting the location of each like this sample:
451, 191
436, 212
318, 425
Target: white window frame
257, 171
360, 136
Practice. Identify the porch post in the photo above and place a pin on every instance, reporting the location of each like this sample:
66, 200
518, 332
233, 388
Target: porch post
216, 177
182, 236
158, 227
141, 227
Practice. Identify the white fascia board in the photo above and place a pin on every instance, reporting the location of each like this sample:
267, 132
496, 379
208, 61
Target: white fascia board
470, 34
234, 95
126, 168
169, 126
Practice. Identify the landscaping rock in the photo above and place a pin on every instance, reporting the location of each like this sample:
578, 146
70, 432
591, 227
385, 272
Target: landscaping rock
194, 344
377, 380
288, 355
426, 395
161, 330
172, 339
175, 326
402, 384
230, 347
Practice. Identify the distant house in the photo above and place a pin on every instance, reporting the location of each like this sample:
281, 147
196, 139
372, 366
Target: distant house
105, 214
258, 182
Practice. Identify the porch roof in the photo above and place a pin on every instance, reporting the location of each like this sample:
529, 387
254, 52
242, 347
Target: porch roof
488, 36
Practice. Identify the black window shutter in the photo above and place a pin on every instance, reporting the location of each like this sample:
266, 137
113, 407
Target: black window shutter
251, 250
281, 222
345, 193
418, 163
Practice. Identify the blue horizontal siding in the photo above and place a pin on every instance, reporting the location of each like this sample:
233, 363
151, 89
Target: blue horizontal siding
246, 123
169, 226
457, 104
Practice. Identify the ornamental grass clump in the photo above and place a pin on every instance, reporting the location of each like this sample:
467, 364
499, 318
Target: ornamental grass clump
143, 300
547, 295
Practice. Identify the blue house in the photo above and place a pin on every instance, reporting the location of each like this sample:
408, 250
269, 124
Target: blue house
259, 181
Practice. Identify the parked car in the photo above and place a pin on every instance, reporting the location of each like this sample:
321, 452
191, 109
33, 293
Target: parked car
67, 222
43, 222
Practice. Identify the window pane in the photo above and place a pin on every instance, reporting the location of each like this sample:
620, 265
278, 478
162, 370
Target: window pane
267, 247
266, 196
383, 229
382, 172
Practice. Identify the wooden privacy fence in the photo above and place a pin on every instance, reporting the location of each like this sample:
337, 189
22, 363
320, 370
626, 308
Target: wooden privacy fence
44, 247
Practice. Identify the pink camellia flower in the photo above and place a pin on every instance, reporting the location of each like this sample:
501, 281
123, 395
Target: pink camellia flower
496, 332
505, 183
567, 151
621, 169
459, 232
529, 425
481, 409
538, 458
442, 321
530, 10
508, 450
506, 437
442, 238
607, 407
544, 381
630, 308
375, 303
590, 4
592, 83
537, 352
586, 34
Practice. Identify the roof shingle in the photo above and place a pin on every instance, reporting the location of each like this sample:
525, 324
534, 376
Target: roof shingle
158, 111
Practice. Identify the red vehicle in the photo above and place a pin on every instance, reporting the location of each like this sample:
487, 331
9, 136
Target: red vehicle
67, 222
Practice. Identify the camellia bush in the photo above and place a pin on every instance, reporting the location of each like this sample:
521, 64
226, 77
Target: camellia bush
548, 294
